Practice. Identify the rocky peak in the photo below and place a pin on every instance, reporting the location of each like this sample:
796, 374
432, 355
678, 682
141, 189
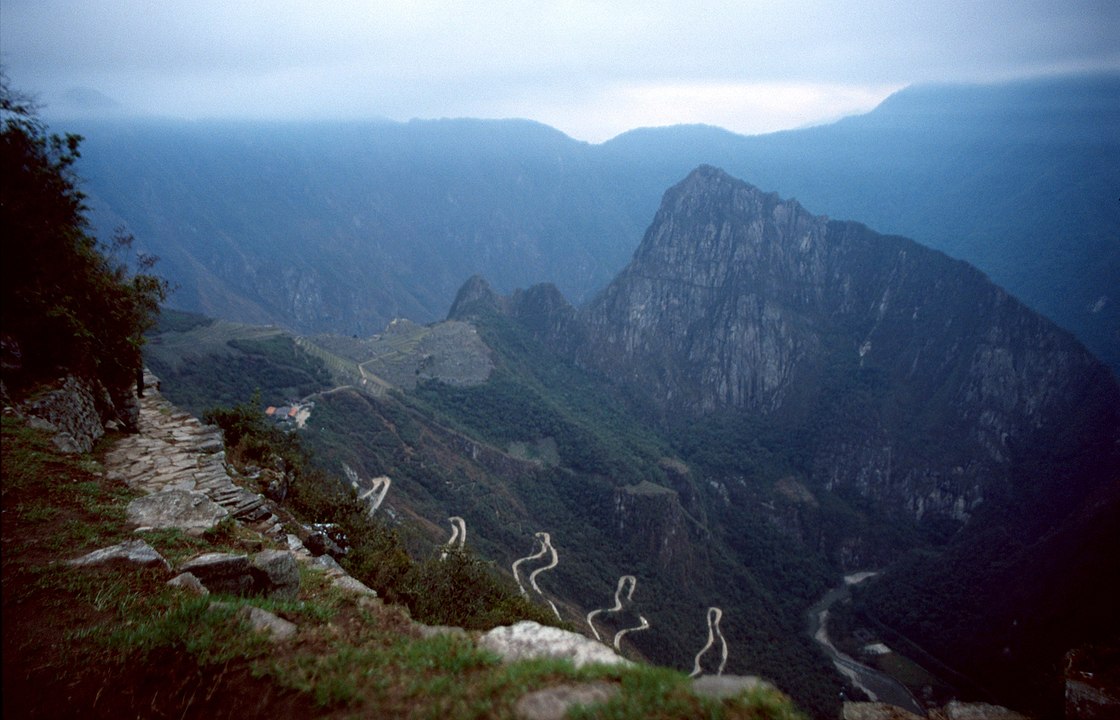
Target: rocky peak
739, 301
475, 297
705, 313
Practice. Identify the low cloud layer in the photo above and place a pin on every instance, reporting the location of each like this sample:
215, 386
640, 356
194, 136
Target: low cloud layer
591, 69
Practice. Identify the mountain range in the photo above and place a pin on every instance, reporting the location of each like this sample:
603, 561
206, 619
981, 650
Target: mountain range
342, 227
761, 401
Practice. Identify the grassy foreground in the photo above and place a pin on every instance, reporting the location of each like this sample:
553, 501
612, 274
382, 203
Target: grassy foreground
117, 642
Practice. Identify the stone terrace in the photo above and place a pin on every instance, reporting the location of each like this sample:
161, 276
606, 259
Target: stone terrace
181, 463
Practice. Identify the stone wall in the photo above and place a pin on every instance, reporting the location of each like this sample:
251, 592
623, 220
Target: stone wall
78, 412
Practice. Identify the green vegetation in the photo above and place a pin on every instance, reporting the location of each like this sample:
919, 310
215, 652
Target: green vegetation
459, 590
206, 363
118, 642
594, 442
68, 301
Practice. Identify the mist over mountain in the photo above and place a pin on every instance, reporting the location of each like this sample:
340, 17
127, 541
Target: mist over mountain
341, 227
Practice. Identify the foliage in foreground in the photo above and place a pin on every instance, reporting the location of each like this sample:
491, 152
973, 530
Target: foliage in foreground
458, 589
117, 641
68, 300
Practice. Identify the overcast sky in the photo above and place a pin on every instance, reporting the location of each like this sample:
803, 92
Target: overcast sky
591, 69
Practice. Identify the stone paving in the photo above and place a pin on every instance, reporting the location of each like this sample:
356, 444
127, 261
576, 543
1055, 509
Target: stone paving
174, 451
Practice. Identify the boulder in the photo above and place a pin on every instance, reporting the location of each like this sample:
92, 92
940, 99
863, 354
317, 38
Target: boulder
222, 573
529, 640
183, 509
553, 703
132, 552
189, 582
263, 621
720, 687
276, 574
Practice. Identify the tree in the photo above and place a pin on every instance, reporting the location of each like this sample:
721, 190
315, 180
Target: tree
68, 301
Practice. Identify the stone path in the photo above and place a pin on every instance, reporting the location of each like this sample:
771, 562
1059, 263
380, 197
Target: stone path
174, 451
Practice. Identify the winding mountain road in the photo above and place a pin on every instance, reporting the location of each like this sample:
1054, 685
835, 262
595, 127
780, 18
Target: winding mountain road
622, 582
458, 534
379, 488
714, 616
546, 549
619, 635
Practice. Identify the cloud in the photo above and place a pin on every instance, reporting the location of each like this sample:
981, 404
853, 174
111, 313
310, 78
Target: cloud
748, 66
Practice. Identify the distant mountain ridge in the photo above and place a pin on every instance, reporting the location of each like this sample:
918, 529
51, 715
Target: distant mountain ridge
341, 227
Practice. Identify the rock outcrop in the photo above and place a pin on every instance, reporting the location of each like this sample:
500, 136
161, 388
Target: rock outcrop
77, 412
529, 640
132, 552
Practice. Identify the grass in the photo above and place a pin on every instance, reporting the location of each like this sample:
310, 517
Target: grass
117, 641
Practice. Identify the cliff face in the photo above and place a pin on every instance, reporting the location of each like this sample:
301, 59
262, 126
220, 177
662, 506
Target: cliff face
739, 301
857, 397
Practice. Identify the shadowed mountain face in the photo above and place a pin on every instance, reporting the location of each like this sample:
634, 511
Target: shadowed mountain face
762, 400
882, 375
912, 378
342, 227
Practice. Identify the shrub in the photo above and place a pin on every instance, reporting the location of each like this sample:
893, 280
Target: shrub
68, 301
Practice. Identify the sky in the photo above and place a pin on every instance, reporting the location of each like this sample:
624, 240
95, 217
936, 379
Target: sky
591, 69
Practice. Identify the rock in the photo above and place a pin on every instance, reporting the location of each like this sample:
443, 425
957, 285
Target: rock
431, 631
296, 545
71, 411
222, 573
276, 574
528, 640
328, 563
183, 509
263, 621
553, 703
135, 552
975, 711
322, 541
720, 687
189, 582
875, 711
347, 582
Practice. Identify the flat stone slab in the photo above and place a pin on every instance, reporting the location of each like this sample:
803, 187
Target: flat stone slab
875, 711
528, 640
176, 508
347, 582
554, 703
720, 687
132, 552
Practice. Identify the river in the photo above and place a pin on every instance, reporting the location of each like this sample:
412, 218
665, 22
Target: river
878, 686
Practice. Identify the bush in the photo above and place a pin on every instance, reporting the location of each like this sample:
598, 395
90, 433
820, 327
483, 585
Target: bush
68, 301
459, 589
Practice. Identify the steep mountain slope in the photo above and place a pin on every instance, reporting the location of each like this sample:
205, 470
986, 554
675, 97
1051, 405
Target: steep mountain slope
737, 300
341, 228
879, 372
762, 400
542, 446
1017, 179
